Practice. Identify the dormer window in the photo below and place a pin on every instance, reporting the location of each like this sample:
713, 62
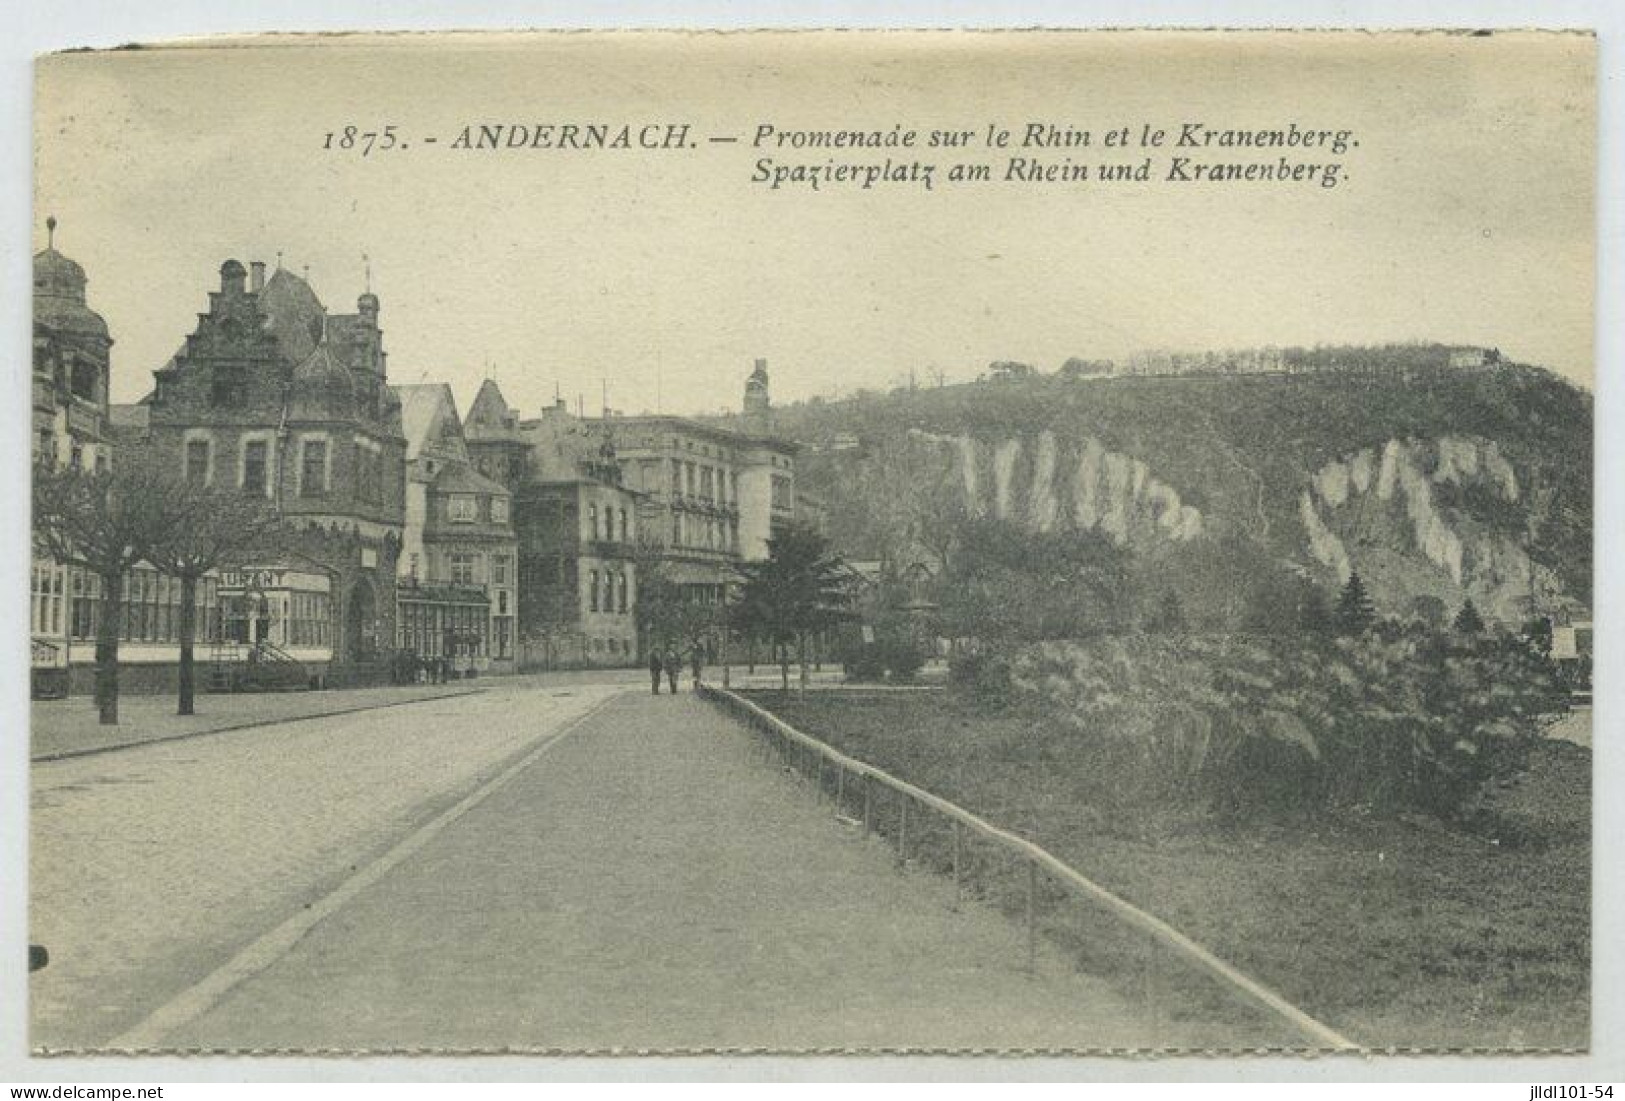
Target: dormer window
463, 508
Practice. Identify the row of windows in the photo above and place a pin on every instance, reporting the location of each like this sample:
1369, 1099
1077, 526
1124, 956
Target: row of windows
706, 482
707, 532
150, 611
607, 534
79, 376
609, 592
298, 619
255, 470
48, 588
465, 568
444, 630
45, 451
464, 508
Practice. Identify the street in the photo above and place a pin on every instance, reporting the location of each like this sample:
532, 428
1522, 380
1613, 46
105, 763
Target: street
576, 866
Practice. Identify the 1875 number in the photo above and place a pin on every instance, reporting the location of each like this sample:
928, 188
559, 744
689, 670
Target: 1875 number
364, 141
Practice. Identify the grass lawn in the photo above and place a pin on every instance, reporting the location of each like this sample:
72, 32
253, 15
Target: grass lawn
1398, 931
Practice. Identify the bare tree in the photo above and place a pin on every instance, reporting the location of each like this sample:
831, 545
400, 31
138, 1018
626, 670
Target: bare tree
105, 522
210, 529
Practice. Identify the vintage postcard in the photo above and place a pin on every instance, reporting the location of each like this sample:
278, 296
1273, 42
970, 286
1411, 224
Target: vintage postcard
779, 542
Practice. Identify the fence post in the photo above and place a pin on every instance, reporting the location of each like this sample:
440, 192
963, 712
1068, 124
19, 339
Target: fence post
868, 805
902, 831
959, 882
1153, 990
1032, 918
840, 788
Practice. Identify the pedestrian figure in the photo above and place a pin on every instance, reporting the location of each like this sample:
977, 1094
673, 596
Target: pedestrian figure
696, 661
673, 667
654, 670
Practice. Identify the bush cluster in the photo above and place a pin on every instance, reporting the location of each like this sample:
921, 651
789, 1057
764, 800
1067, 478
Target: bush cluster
1396, 717
893, 656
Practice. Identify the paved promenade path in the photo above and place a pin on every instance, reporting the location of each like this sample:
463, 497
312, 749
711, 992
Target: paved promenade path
69, 727
149, 866
641, 882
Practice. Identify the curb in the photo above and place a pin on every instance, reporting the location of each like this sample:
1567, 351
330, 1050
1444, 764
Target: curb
95, 750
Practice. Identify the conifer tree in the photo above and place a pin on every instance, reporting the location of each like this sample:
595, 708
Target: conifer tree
1354, 612
1468, 621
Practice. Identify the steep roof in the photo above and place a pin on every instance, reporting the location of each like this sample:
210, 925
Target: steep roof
424, 408
295, 316
490, 415
59, 296
457, 478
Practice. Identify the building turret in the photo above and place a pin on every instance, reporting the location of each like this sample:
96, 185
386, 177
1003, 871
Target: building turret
233, 278
758, 405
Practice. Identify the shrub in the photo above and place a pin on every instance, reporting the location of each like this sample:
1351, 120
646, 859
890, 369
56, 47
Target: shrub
901, 656
894, 655
984, 676
1397, 717
863, 662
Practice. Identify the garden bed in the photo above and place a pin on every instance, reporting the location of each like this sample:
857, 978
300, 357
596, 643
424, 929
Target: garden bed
1398, 929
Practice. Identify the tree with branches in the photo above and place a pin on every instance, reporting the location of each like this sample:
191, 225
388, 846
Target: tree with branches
802, 586
664, 612
104, 521
1354, 613
210, 529
1468, 621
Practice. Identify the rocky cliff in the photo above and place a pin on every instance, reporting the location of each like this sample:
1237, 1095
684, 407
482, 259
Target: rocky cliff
1436, 486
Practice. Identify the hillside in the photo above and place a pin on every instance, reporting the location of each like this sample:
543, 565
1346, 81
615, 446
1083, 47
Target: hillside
1435, 484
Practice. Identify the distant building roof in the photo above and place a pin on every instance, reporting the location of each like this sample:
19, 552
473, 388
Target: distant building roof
59, 295
703, 427
457, 478
423, 407
490, 416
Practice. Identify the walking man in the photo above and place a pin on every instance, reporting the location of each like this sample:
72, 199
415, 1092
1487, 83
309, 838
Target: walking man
696, 663
673, 667
654, 669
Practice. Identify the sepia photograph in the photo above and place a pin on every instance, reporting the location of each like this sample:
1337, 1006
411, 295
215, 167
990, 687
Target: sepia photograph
764, 543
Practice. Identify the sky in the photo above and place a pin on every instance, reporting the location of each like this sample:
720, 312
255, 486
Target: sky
1465, 215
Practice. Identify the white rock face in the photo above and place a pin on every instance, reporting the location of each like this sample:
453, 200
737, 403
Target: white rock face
1487, 566
1048, 483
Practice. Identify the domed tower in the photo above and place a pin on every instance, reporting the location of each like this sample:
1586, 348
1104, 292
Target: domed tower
758, 405
71, 362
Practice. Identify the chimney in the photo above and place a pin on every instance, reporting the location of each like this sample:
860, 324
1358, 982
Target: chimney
256, 277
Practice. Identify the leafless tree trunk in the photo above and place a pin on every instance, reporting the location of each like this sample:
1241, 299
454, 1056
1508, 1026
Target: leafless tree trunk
107, 632
188, 632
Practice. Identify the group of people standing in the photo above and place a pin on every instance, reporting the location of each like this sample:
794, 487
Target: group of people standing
667, 663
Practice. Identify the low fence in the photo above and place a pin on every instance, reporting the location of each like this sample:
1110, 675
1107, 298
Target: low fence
1012, 871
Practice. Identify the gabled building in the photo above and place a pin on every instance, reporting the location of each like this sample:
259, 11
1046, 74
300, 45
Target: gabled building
576, 527
458, 573
72, 367
496, 444
273, 396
